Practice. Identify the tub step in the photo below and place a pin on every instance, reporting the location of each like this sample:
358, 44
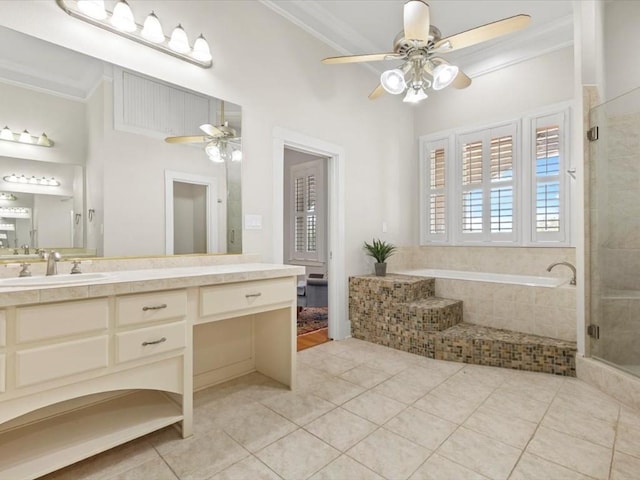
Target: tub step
480, 345
433, 314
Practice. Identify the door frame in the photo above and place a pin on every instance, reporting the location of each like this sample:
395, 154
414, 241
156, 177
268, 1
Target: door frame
339, 326
210, 183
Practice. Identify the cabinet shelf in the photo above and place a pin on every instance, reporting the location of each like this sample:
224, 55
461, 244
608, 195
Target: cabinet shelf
37, 449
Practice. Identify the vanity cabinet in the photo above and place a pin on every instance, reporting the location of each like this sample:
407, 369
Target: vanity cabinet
85, 375
80, 376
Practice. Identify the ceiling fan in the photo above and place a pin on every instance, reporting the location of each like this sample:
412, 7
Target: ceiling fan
217, 139
419, 46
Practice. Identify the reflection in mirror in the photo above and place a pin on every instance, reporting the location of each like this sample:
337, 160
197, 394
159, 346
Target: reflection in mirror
108, 126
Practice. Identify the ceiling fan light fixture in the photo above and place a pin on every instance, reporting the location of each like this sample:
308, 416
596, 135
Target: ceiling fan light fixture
443, 75
236, 155
414, 95
93, 8
201, 49
393, 81
122, 17
152, 29
179, 41
213, 152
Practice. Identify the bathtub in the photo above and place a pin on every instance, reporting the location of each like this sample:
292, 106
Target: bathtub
527, 280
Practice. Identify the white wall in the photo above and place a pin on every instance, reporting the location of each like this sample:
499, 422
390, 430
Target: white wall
501, 95
621, 46
53, 221
272, 69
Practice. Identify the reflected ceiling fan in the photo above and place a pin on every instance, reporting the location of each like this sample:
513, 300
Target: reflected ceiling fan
420, 45
218, 139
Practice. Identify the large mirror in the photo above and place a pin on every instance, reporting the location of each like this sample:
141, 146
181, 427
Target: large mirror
119, 188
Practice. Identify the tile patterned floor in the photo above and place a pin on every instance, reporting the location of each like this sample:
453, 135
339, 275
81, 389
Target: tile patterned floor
366, 412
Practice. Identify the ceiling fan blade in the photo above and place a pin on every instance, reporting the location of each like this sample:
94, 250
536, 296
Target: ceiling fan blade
482, 33
211, 130
372, 57
377, 92
416, 21
462, 80
188, 139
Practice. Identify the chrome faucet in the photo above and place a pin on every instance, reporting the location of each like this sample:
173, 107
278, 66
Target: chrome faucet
567, 264
25, 249
52, 265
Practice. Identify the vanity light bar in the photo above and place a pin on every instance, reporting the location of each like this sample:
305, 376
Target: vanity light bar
33, 180
7, 227
25, 137
121, 22
8, 196
15, 212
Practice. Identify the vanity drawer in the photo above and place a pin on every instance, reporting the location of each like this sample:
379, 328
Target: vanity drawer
151, 307
61, 319
220, 299
41, 364
3, 328
2, 372
144, 342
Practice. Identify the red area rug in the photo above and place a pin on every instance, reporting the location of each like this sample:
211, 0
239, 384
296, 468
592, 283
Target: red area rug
311, 319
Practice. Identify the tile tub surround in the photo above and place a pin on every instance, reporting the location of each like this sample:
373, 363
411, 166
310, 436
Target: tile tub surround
393, 312
468, 422
399, 311
479, 345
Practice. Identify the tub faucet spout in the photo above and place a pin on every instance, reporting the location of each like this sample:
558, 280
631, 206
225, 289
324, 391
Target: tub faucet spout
566, 264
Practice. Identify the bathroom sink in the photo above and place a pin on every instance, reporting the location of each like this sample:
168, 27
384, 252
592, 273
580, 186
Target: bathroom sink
79, 278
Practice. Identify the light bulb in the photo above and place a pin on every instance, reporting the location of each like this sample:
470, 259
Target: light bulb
6, 134
393, 81
414, 95
122, 17
201, 49
23, 179
44, 140
25, 137
179, 41
236, 156
152, 29
34, 181
443, 75
213, 152
93, 8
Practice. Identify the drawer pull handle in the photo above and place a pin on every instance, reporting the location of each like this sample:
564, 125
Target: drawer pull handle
157, 307
250, 295
155, 342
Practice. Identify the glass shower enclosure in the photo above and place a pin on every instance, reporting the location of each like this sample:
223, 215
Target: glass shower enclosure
613, 242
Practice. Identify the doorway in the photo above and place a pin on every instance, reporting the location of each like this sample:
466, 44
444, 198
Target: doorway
305, 240
189, 218
338, 324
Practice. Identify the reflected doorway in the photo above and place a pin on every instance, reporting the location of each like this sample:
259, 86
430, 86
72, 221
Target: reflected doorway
189, 218
190, 215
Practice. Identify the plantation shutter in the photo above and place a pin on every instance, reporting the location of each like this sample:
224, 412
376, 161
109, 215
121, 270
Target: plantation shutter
305, 182
486, 180
434, 181
548, 195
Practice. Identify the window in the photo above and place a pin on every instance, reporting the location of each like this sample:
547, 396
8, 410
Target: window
548, 180
434, 178
503, 184
486, 184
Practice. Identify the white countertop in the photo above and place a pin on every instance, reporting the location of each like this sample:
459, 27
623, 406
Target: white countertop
134, 281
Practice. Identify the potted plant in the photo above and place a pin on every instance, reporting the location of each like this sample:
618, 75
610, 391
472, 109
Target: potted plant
380, 251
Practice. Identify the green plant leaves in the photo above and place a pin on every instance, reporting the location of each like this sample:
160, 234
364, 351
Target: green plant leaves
379, 249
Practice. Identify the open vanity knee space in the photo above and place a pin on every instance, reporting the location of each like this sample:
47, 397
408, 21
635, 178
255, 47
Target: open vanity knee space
86, 367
